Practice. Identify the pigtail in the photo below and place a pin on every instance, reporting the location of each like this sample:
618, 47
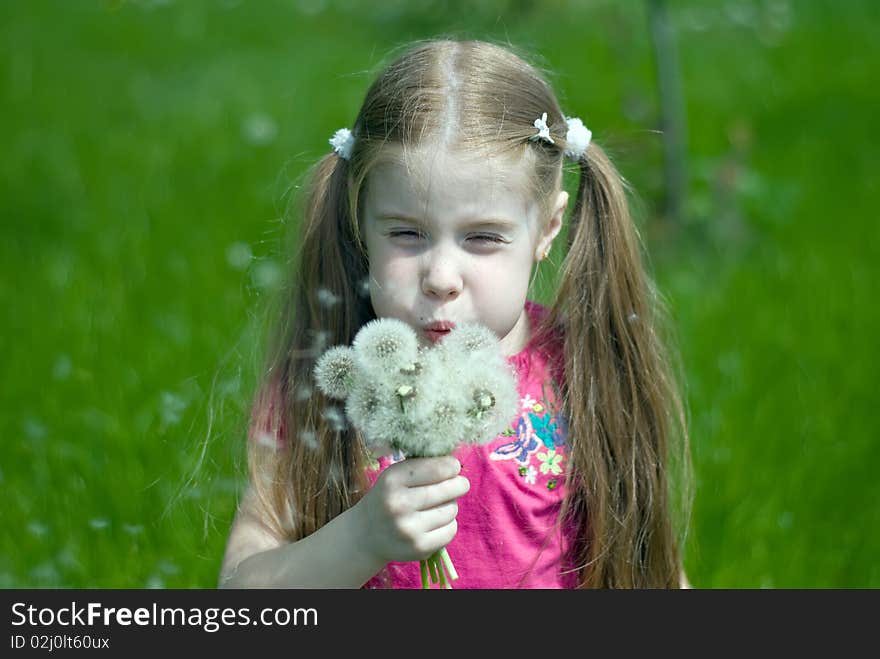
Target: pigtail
306, 464
619, 397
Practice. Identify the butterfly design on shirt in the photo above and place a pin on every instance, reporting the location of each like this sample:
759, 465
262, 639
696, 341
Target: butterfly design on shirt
524, 444
535, 430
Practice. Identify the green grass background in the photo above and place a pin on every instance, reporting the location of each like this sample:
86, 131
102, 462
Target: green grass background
148, 150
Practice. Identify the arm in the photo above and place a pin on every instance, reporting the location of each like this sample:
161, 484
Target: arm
331, 557
407, 515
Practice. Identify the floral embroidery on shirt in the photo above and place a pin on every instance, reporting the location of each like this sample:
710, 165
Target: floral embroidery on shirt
539, 431
550, 462
530, 475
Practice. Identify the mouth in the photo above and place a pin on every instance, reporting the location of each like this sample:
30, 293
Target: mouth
438, 330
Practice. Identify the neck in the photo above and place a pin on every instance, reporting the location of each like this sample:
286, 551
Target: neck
518, 336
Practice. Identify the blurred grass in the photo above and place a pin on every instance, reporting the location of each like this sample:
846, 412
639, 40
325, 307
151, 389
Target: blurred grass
149, 151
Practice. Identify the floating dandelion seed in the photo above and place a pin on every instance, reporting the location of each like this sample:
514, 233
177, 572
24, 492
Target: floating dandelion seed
167, 567
267, 440
155, 582
259, 129
63, 368
326, 298
239, 255
319, 340
266, 275
46, 572
309, 439
34, 428
303, 392
335, 418
37, 528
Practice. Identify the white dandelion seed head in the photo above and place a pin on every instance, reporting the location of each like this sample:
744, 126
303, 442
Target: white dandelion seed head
393, 428
493, 402
385, 345
421, 400
445, 423
363, 404
335, 372
469, 338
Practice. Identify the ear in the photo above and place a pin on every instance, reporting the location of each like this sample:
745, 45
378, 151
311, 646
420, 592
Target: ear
553, 227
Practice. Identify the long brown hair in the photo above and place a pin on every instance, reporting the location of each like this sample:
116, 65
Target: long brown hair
627, 488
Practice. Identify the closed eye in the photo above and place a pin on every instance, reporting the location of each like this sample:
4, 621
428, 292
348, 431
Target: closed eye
488, 238
407, 235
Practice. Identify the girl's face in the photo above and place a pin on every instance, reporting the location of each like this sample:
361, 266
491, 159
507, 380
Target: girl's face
454, 240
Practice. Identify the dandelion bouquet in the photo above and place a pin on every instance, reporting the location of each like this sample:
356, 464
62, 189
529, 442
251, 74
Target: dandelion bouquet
422, 401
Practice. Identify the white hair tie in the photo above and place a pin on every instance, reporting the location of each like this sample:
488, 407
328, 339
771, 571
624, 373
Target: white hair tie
342, 143
543, 129
577, 139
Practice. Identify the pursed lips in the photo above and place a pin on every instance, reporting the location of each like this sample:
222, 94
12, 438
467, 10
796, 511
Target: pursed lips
437, 330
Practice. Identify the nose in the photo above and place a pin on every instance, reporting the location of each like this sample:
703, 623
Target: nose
441, 278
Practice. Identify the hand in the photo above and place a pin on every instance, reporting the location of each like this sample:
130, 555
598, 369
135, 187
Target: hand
410, 511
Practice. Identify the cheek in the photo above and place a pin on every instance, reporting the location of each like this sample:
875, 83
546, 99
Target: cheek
385, 268
505, 274
391, 280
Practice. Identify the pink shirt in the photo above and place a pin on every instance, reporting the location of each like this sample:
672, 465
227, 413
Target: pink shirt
508, 535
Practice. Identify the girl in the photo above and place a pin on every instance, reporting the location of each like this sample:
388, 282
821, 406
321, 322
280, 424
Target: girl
434, 210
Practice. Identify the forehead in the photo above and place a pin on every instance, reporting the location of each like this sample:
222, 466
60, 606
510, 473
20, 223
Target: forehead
439, 182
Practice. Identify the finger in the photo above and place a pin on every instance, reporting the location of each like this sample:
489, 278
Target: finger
414, 472
436, 518
426, 497
439, 538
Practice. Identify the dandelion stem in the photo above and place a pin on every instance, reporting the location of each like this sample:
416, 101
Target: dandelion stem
424, 569
447, 562
440, 571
